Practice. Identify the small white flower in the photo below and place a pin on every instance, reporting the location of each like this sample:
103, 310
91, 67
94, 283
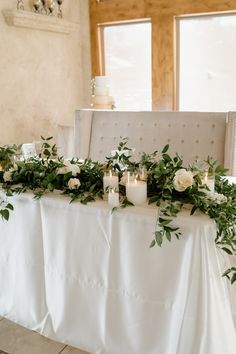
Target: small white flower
73, 183
183, 179
216, 198
69, 167
7, 176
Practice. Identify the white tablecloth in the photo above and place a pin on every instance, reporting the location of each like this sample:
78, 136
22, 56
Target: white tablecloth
86, 277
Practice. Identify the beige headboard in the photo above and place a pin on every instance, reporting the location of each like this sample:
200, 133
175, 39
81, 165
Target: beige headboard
192, 134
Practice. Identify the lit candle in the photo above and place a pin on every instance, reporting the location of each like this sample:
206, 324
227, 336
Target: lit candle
209, 181
110, 181
113, 198
136, 192
143, 174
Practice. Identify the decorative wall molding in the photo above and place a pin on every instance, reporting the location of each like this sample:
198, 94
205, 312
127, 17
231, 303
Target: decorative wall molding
40, 22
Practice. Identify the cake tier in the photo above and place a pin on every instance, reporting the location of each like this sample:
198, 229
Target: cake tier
101, 91
100, 81
102, 106
102, 100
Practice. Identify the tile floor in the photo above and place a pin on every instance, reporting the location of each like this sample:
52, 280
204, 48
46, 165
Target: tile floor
15, 339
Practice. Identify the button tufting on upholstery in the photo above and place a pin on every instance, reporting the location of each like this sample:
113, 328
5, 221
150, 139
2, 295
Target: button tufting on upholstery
155, 124
196, 157
140, 139
102, 137
169, 125
100, 151
197, 141
213, 125
212, 142
169, 140
198, 125
128, 124
184, 125
182, 141
116, 124
154, 139
114, 137
141, 124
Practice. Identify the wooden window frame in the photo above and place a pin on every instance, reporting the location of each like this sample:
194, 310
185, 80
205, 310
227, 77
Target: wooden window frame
162, 14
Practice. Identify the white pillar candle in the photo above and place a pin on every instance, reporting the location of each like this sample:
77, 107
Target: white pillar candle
136, 192
110, 180
28, 150
113, 198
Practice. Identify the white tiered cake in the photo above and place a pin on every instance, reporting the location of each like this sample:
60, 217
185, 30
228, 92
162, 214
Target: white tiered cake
101, 98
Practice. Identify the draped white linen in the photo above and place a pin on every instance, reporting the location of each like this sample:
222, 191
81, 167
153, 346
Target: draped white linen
84, 276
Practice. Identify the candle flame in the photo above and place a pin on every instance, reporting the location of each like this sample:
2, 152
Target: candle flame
206, 177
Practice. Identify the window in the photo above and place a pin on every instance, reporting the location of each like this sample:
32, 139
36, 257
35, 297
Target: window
206, 70
126, 61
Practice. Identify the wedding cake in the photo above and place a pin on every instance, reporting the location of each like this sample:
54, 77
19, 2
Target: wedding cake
100, 95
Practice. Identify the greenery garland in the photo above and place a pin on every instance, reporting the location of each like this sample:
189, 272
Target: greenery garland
82, 180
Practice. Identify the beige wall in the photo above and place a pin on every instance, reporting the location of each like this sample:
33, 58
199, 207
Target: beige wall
44, 76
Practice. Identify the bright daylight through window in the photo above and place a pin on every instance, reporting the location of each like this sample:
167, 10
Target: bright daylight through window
127, 64
206, 69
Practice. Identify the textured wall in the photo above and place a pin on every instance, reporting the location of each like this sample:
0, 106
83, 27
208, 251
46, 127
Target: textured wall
44, 76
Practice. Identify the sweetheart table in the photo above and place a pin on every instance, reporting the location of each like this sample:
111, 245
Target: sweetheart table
85, 276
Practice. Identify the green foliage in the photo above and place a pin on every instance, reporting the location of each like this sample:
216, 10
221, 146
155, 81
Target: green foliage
121, 158
5, 209
83, 181
7, 154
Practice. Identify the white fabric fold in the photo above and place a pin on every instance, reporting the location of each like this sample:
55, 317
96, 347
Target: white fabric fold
85, 276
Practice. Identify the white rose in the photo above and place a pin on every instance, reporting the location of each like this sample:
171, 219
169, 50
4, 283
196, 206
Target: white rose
73, 183
7, 176
69, 167
183, 179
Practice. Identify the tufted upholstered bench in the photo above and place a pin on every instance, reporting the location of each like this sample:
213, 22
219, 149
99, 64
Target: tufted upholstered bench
194, 135
65, 141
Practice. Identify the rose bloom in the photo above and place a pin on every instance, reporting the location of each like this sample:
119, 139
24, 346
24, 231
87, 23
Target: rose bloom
69, 167
7, 176
73, 183
182, 180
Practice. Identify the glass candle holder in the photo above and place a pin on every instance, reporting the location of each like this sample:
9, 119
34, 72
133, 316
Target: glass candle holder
142, 174
208, 179
110, 180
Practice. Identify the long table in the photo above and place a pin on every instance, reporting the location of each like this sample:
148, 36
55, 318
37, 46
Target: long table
85, 276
